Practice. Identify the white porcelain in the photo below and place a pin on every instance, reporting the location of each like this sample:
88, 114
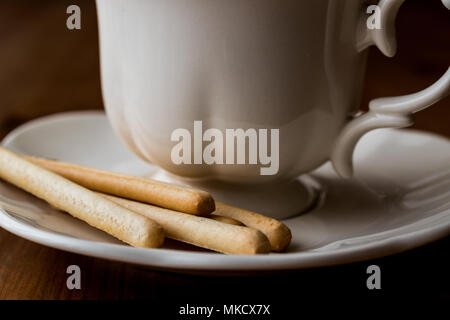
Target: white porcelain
399, 199
292, 65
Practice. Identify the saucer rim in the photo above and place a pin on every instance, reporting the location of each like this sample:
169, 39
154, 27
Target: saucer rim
157, 258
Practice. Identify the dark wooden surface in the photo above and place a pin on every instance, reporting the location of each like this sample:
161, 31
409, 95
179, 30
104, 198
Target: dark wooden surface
45, 68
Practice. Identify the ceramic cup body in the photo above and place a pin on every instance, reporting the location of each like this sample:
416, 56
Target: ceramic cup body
290, 65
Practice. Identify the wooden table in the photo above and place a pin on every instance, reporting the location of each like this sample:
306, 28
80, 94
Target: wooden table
45, 68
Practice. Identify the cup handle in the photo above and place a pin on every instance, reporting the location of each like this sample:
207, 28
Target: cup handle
391, 112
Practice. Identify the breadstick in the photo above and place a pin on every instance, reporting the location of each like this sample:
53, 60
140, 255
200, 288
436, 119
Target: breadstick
226, 220
81, 203
199, 231
278, 233
165, 195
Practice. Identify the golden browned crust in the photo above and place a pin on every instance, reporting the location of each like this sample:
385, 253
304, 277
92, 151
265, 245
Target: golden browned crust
278, 233
199, 231
80, 202
150, 191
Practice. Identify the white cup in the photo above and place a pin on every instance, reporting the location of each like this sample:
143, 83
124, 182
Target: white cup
292, 65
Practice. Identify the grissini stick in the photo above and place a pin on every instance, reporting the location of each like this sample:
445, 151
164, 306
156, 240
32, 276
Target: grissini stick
199, 231
278, 233
162, 194
226, 220
111, 183
80, 202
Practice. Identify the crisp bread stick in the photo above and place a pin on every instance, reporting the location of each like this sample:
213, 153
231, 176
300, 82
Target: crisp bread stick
199, 231
165, 195
278, 234
226, 220
81, 203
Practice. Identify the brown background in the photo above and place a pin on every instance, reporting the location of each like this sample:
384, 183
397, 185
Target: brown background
45, 68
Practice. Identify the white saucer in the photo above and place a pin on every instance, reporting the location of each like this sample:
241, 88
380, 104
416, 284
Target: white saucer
399, 200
